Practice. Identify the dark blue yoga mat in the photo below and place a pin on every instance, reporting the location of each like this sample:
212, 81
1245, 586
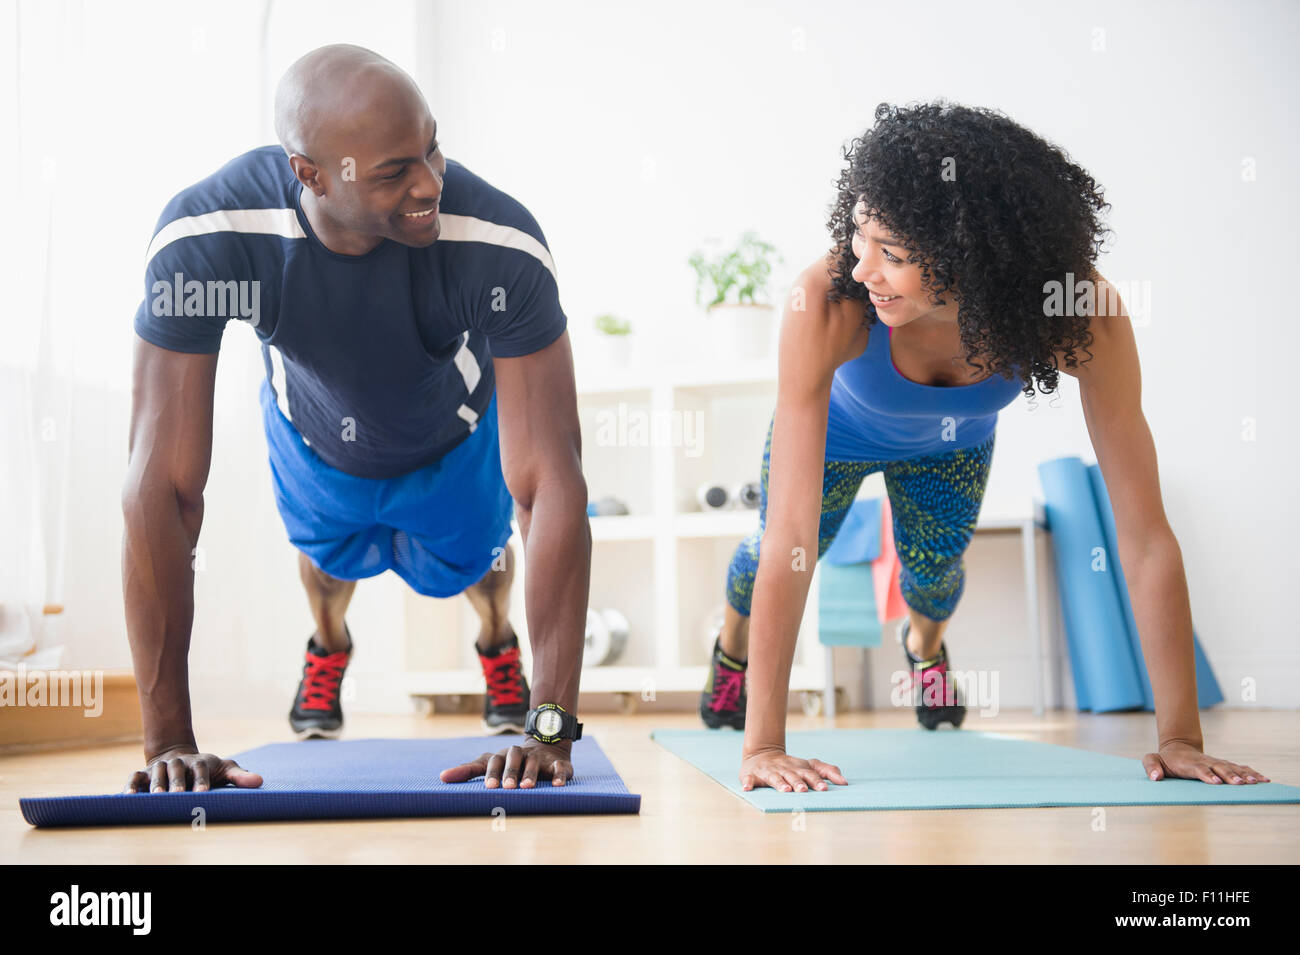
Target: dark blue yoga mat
354, 779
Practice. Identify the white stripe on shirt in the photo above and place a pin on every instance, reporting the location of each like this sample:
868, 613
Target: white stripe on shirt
278, 385
470, 229
281, 222
467, 364
470, 415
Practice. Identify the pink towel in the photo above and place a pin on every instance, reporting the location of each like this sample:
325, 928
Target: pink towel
885, 570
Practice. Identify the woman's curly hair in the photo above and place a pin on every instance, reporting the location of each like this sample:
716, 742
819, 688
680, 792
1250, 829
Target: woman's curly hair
1012, 213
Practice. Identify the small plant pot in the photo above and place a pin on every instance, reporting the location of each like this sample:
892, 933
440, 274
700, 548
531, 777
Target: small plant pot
740, 331
612, 351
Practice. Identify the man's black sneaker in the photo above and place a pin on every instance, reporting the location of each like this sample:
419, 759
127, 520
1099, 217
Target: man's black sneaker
723, 701
505, 707
317, 713
938, 699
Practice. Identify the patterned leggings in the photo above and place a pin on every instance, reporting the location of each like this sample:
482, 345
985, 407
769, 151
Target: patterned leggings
935, 502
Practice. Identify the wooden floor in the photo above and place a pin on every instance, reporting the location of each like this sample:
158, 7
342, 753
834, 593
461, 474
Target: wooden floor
685, 816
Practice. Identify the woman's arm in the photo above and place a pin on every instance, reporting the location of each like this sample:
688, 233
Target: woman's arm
814, 341
1111, 391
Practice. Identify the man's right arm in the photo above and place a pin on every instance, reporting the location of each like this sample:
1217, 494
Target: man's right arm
162, 504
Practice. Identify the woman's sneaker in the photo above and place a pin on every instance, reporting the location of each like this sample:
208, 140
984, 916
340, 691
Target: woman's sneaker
317, 713
723, 701
938, 696
505, 706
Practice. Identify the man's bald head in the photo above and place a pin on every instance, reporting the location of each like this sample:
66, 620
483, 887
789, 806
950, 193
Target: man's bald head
334, 94
361, 141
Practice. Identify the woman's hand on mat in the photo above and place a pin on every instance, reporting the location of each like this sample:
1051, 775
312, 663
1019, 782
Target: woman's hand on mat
182, 769
518, 767
1185, 761
786, 773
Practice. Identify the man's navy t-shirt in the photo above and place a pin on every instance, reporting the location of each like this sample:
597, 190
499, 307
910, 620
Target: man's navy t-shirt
382, 361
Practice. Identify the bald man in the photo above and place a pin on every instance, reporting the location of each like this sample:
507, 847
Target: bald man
419, 382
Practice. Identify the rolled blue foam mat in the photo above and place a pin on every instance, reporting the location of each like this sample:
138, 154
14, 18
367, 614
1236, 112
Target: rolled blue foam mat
1101, 498
957, 769
354, 779
1101, 656
1207, 686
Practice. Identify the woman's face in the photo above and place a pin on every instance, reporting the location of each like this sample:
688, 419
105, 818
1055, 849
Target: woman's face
896, 286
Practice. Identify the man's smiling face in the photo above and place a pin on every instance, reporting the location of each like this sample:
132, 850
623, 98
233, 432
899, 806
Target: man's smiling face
398, 166
364, 145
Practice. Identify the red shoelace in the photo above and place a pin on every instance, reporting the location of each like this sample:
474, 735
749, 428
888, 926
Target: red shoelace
502, 674
320, 685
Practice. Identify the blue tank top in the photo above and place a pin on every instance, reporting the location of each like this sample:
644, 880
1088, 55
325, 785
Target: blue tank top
878, 415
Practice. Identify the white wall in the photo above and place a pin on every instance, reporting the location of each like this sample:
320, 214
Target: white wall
634, 134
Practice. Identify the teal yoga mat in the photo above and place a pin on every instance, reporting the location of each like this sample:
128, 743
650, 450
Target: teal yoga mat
920, 769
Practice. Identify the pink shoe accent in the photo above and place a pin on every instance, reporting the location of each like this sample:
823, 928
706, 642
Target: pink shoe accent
945, 692
727, 684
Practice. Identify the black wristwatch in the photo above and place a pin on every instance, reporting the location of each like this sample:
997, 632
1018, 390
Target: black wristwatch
549, 723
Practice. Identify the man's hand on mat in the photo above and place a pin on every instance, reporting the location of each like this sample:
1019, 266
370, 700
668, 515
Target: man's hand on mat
1185, 761
182, 769
786, 773
518, 767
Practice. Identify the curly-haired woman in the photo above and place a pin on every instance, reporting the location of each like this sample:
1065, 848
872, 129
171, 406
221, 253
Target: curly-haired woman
929, 315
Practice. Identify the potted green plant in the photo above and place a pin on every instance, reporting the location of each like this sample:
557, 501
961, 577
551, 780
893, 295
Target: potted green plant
733, 288
613, 340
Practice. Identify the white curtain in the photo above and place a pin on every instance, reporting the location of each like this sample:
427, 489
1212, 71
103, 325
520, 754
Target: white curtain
23, 582
106, 111
35, 359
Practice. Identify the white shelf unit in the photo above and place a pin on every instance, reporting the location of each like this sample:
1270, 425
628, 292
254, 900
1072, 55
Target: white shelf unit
650, 437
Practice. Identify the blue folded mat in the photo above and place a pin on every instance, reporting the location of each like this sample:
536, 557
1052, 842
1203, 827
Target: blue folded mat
846, 606
922, 769
1207, 687
846, 595
858, 538
1101, 657
355, 779
1106, 659
1101, 499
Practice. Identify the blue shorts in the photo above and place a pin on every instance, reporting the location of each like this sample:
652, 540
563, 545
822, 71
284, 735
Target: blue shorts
438, 528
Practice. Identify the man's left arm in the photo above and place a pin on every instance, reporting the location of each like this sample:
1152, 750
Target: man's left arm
541, 458
1111, 391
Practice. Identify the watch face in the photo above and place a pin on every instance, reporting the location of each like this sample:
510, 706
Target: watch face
549, 723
